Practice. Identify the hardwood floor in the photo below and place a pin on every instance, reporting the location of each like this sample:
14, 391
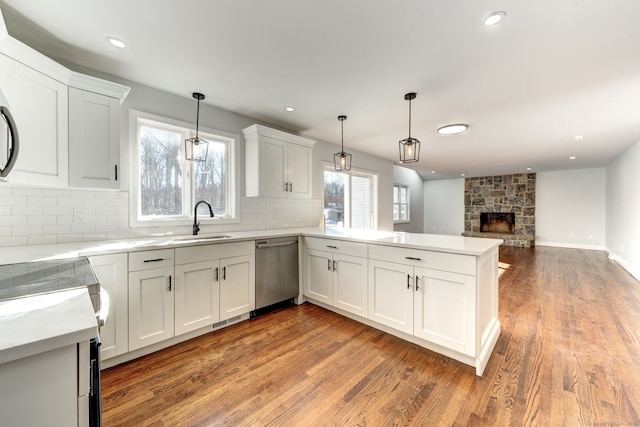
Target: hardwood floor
568, 355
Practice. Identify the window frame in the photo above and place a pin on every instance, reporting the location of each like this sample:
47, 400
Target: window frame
136, 120
407, 203
374, 176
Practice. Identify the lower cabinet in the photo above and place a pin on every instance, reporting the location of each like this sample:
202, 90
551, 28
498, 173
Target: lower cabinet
391, 295
112, 275
444, 309
213, 283
151, 300
337, 277
237, 287
432, 304
197, 304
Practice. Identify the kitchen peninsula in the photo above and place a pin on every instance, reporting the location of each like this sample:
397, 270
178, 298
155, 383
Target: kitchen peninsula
437, 291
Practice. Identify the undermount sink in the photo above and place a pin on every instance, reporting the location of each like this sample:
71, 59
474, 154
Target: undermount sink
192, 239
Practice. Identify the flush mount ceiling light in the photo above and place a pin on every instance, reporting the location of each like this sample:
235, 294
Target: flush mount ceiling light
494, 18
452, 129
410, 147
342, 160
196, 149
116, 42
289, 109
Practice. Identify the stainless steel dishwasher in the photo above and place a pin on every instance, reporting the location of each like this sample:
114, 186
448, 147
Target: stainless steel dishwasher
276, 273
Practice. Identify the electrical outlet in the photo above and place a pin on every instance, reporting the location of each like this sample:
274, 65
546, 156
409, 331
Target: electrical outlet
79, 215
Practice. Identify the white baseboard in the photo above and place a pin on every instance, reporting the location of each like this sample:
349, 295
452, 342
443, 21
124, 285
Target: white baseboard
624, 264
571, 245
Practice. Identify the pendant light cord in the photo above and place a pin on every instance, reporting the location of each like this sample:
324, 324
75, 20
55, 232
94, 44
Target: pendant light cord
198, 118
342, 136
409, 119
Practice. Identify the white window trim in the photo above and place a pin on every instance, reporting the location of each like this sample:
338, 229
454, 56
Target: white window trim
134, 173
408, 220
327, 166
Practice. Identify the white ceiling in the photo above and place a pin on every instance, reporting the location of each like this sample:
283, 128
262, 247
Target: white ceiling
551, 70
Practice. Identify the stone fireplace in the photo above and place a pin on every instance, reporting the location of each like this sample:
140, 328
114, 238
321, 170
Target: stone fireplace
501, 207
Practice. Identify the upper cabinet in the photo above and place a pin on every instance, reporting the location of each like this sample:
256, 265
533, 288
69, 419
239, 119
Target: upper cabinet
94, 133
38, 103
278, 164
68, 123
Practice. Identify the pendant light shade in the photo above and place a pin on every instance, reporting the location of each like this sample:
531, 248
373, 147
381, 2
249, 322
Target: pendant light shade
196, 149
410, 147
342, 160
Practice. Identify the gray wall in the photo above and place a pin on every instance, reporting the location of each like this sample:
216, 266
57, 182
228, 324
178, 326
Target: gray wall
410, 178
623, 210
444, 206
570, 208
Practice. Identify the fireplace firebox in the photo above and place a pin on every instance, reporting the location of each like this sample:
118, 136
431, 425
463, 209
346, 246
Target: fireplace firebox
498, 222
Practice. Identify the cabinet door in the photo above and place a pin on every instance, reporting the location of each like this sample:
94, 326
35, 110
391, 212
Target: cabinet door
237, 286
350, 284
445, 309
197, 297
94, 140
273, 158
391, 294
150, 306
299, 170
39, 107
112, 275
318, 275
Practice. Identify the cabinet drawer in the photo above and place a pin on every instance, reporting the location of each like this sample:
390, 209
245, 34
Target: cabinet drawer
150, 259
464, 264
336, 246
214, 251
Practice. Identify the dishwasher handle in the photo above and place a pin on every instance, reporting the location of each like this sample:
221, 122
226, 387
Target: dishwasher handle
261, 245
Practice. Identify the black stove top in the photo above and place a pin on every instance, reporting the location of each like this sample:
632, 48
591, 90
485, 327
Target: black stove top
31, 278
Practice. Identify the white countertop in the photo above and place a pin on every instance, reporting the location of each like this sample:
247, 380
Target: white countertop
40, 323
434, 242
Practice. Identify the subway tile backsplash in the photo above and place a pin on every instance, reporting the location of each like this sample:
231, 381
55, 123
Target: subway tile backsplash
34, 216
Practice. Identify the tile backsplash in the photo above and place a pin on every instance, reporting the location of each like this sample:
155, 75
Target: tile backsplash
34, 215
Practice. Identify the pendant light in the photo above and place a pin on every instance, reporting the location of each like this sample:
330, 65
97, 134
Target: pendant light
410, 147
196, 149
342, 160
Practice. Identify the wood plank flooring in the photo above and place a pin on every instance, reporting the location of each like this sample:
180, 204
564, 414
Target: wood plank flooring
568, 355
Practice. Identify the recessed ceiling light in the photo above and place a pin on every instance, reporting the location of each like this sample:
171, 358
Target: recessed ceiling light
572, 158
578, 137
289, 109
528, 169
433, 171
116, 42
461, 174
452, 129
494, 18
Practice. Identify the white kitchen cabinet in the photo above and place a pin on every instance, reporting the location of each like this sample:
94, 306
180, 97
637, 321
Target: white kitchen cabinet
237, 286
278, 164
444, 309
46, 389
391, 294
94, 140
213, 283
335, 272
197, 298
433, 304
151, 300
112, 275
39, 105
